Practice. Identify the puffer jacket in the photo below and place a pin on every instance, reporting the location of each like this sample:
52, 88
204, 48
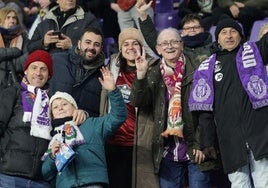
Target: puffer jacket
73, 28
20, 153
12, 60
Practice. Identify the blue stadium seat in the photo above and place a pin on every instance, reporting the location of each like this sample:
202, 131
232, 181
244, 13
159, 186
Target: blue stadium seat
163, 6
257, 29
167, 19
107, 48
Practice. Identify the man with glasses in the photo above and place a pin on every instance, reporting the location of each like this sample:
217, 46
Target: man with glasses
157, 92
197, 47
78, 71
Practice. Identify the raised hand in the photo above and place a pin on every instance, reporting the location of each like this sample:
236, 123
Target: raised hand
142, 8
107, 80
141, 64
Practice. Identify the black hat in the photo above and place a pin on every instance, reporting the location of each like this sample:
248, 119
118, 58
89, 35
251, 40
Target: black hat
226, 21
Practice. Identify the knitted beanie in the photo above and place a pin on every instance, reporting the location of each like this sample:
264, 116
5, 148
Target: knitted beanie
226, 21
40, 55
130, 33
63, 95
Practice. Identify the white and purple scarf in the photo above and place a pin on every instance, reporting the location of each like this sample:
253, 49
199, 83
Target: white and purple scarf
35, 105
252, 73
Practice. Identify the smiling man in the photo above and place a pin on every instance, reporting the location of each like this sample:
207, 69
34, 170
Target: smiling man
230, 91
22, 108
79, 69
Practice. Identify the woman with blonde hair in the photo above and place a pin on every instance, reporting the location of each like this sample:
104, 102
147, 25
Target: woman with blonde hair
13, 47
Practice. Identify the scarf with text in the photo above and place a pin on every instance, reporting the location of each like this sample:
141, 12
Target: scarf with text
252, 73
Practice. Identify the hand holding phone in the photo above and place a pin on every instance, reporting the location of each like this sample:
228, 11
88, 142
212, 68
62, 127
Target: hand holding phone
57, 33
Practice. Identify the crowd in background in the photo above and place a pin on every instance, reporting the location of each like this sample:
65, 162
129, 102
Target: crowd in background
165, 109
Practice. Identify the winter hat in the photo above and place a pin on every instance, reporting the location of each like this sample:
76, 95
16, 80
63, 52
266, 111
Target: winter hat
226, 21
40, 55
63, 95
130, 33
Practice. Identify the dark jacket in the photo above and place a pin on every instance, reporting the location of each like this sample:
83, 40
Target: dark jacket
73, 28
194, 56
237, 123
148, 95
89, 165
12, 60
74, 79
20, 153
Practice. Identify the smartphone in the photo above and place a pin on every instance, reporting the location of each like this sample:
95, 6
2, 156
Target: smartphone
57, 33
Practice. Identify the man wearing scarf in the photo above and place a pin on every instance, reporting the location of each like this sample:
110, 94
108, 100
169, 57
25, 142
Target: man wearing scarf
230, 92
197, 47
25, 124
157, 92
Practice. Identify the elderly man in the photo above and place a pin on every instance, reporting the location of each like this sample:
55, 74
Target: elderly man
62, 27
79, 69
230, 90
157, 92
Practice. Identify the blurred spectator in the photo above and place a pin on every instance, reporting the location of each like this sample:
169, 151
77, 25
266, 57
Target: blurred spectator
45, 6
18, 7
244, 11
203, 8
13, 47
31, 10
69, 20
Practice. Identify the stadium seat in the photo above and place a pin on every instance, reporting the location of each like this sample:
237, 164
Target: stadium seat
107, 48
258, 28
167, 19
163, 6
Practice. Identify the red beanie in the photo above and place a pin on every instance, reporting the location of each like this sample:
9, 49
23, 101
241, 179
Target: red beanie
40, 55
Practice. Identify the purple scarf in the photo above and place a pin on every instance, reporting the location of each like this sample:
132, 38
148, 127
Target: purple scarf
252, 74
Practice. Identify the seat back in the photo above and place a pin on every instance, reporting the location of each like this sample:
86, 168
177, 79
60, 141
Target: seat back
167, 19
258, 29
163, 6
107, 47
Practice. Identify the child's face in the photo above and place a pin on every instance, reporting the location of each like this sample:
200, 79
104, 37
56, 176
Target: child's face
61, 108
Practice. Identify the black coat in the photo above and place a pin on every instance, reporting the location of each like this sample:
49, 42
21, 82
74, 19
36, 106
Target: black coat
20, 153
237, 123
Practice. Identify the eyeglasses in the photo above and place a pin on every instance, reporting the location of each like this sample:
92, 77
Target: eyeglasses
174, 43
192, 28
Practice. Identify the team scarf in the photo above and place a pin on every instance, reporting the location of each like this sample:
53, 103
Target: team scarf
172, 78
252, 74
67, 133
35, 106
